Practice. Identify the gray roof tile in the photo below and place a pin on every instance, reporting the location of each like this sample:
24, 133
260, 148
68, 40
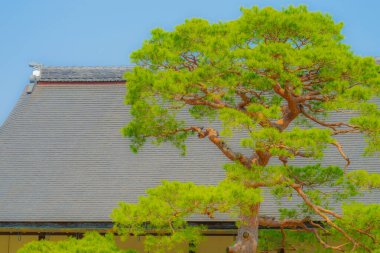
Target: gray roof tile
62, 157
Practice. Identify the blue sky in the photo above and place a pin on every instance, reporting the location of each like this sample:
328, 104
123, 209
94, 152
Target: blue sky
105, 32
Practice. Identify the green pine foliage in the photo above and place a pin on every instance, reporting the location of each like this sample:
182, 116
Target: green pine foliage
362, 222
92, 242
277, 78
163, 212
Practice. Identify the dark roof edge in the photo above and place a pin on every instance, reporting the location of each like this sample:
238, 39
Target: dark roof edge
80, 227
14, 227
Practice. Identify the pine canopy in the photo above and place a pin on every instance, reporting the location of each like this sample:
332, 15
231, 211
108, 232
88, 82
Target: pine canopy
274, 77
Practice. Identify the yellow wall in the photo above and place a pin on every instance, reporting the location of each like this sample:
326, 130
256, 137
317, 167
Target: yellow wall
215, 244
55, 238
11, 243
137, 243
4, 243
211, 244
131, 243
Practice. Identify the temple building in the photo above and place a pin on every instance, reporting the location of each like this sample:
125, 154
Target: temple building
65, 165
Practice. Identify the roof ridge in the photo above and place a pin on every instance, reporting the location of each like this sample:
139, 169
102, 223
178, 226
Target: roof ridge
88, 67
83, 73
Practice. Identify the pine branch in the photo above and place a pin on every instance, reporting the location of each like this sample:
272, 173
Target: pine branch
333, 126
322, 212
340, 149
214, 137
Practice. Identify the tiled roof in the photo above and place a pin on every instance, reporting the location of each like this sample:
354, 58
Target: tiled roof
83, 74
62, 157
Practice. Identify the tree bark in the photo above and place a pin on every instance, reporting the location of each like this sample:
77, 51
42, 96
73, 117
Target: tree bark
248, 233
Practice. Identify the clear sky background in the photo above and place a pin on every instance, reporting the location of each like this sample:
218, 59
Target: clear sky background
105, 32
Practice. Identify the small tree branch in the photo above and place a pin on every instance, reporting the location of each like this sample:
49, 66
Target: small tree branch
326, 245
367, 234
264, 184
245, 99
312, 109
318, 226
333, 126
286, 223
340, 149
214, 137
200, 101
345, 131
322, 212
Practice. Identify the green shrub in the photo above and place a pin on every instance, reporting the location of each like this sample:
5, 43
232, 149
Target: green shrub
92, 242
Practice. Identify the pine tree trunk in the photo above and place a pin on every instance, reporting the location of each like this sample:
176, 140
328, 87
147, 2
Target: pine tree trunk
248, 233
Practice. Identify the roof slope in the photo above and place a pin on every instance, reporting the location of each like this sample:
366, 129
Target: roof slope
62, 157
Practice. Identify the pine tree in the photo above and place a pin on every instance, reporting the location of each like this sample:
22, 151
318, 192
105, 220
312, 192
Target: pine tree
277, 78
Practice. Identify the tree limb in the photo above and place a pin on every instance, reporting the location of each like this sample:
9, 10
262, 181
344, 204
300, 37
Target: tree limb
339, 147
291, 111
214, 137
322, 212
333, 126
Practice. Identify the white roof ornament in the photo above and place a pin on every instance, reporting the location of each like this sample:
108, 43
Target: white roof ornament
36, 73
33, 79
